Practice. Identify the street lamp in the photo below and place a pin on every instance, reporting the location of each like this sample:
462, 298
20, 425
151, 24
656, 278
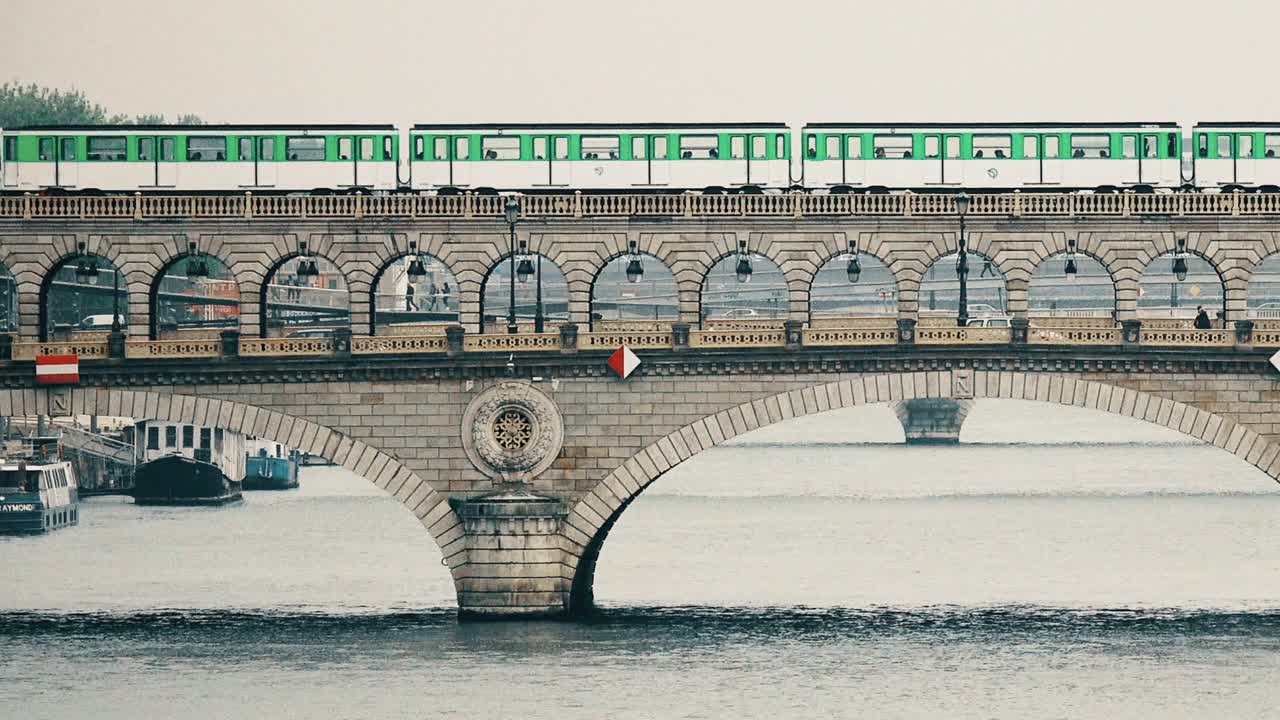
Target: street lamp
417, 270
1070, 269
854, 269
115, 300
743, 269
1180, 262
962, 263
87, 271
511, 211
634, 269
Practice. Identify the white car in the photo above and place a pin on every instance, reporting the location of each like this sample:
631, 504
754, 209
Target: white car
1002, 321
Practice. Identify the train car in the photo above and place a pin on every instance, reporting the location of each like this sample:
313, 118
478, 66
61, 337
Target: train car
199, 158
994, 156
600, 157
1236, 154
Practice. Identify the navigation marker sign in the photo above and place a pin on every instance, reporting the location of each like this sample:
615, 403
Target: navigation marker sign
1275, 360
57, 370
623, 362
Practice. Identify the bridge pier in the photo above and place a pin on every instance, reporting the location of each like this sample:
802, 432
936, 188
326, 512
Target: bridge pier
515, 568
934, 421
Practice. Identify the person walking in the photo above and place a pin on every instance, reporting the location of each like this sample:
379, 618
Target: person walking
1202, 319
408, 298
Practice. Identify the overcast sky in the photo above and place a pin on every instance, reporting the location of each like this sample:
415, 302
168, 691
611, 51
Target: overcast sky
406, 61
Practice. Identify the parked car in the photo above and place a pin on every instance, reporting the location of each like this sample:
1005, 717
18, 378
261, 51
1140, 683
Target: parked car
1000, 321
738, 314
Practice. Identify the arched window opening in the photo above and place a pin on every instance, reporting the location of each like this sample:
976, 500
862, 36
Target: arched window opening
940, 289
195, 296
551, 302
634, 289
744, 287
415, 294
82, 295
1175, 286
8, 301
853, 286
306, 297
1264, 290
1071, 285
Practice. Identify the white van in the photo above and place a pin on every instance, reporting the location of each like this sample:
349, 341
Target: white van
99, 322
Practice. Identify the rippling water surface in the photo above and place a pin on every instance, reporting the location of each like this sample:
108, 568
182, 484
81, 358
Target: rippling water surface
1061, 563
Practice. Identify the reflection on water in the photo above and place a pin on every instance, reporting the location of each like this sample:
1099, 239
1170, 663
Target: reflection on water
787, 573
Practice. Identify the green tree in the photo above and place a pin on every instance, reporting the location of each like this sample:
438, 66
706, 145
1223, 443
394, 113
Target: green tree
32, 104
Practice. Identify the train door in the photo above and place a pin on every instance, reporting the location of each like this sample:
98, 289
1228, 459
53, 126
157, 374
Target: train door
167, 162
1149, 159
854, 169
9, 167
1131, 170
1244, 158
366, 172
659, 160
459, 160
265, 162
952, 167
1050, 160
758, 164
933, 166
1031, 154
68, 168
561, 167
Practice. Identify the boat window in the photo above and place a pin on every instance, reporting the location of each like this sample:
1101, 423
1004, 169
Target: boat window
206, 436
1090, 146
833, 147
993, 146
892, 147
637, 148
188, 436
106, 148
171, 436
304, 148
699, 147
600, 147
204, 149
153, 438
500, 148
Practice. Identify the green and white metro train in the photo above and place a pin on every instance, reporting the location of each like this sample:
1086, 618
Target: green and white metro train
634, 157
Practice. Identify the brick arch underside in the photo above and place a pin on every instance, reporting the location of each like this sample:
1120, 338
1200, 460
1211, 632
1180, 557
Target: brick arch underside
430, 507
591, 518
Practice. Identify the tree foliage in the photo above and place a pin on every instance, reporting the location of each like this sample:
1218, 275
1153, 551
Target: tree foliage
32, 104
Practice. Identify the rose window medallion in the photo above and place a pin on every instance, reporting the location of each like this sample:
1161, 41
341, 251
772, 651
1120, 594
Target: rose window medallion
512, 431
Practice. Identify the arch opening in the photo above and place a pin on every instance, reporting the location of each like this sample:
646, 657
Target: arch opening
8, 301
510, 292
836, 292
1089, 292
1164, 294
940, 288
621, 296
412, 294
83, 293
730, 296
194, 296
305, 296
1264, 290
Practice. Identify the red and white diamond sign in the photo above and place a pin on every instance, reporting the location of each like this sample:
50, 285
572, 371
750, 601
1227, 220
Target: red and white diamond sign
57, 370
624, 362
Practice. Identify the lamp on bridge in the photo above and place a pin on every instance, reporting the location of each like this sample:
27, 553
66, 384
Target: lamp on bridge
196, 265
962, 263
1180, 262
511, 212
854, 269
417, 269
634, 269
743, 270
87, 271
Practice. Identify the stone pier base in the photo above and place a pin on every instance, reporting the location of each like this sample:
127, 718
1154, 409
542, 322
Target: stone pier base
934, 421
515, 567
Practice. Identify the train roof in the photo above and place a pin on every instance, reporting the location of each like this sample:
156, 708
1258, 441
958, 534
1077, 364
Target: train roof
1009, 125
134, 128
1250, 123
598, 126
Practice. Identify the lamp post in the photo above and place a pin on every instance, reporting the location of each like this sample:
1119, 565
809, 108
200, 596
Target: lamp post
115, 300
512, 213
538, 323
962, 263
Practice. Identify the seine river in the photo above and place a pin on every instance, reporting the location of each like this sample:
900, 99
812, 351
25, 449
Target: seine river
1058, 564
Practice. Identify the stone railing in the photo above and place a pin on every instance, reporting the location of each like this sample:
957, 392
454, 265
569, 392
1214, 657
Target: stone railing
193, 348
83, 350
511, 343
1266, 337
1061, 321
576, 205
717, 338
963, 335
1073, 335
258, 347
855, 322
1186, 337
839, 336
632, 325
742, 324
398, 344
611, 340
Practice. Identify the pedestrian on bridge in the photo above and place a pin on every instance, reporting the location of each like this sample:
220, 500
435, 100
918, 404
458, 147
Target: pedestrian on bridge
1202, 319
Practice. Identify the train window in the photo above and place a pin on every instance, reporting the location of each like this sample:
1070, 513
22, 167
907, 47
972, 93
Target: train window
1090, 146
245, 153
833, 147
171, 436
419, 148
1173, 145
146, 148
953, 147
386, 148
992, 146
168, 149
539, 148
204, 149
68, 148
1050, 148
500, 148
106, 148
11, 148
439, 148
562, 148
1224, 146
1128, 147
660, 148
462, 148
600, 147
304, 148
892, 146
153, 438
932, 147
344, 148
366, 148
1150, 147
699, 147
188, 436
853, 148
811, 147
266, 148
637, 148
1202, 145
46, 148
1030, 147
1245, 146
737, 147
759, 147
1271, 146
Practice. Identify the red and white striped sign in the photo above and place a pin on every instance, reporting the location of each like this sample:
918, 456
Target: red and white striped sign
57, 370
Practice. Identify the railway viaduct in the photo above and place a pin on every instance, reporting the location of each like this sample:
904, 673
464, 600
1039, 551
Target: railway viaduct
518, 453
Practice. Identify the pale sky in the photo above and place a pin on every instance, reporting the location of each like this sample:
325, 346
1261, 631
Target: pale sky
406, 61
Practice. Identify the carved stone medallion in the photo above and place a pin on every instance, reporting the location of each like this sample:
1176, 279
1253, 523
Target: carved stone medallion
512, 431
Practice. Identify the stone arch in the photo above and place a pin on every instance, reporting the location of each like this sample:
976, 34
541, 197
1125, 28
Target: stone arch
394, 265
724, 265
8, 300
1197, 263
942, 275
552, 276
264, 288
1087, 262
1263, 289
665, 281
214, 264
835, 263
429, 506
592, 517
129, 288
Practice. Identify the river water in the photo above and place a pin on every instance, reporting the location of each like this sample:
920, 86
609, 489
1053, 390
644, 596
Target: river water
1058, 563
